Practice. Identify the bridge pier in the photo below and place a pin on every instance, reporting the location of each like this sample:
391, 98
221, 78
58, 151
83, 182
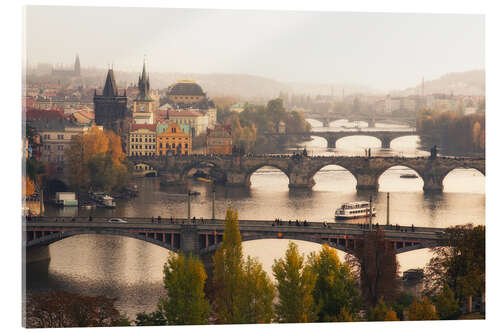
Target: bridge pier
386, 142
171, 178
235, 178
367, 182
189, 239
300, 181
433, 183
331, 142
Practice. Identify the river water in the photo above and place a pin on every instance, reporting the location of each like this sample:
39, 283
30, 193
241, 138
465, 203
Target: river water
131, 270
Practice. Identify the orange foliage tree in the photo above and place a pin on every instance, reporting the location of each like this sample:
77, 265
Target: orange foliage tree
96, 161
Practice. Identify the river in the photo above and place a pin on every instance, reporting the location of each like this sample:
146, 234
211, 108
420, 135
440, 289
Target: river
131, 270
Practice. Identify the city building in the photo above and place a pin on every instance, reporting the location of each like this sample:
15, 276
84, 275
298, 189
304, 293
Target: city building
144, 106
197, 121
68, 73
219, 140
110, 108
172, 138
142, 140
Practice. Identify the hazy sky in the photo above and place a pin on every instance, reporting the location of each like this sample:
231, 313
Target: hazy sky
384, 51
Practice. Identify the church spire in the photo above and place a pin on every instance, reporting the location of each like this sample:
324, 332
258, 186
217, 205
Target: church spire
77, 65
110, 89
143, 85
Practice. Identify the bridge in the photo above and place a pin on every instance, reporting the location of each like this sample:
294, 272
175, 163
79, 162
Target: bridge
327, 117
331, 137
203, 238
300, 170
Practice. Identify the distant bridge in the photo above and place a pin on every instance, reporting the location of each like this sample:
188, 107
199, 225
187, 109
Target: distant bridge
300, 170
331, 137
327, 117
181, 235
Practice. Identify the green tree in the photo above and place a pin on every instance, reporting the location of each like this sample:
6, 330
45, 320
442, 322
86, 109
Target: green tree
422, 310
402, 302
335, 289
228, 272
256, 295
343, 316
156, 318
446, 304
382, 312
185, 303
295, 283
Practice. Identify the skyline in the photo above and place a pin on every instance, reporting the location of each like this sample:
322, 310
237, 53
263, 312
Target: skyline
271, 44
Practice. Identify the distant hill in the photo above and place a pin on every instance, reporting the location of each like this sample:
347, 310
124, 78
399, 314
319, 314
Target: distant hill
461, 83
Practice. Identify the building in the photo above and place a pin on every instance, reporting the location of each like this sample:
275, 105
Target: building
188, 95
142, 140
144, 106
110, 108
68, 73
172, 138
219, 140
196, 120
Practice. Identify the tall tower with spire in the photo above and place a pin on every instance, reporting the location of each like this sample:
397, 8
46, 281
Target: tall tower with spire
77, 65
110, 108
143, 109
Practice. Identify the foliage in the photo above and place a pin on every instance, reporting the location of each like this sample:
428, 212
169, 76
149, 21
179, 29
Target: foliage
28, 187
243, 293
295, 284
335, 289
343, 316
256, 295
402, 302
228, 272
377, 268
96, 160
422, 310
185, 304
382, 312
446, 304
156, 318
452, 132
249, 128
459, 263
64, 309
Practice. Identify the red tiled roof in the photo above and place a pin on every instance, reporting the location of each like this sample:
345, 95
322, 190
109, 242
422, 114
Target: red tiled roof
184, 113
151, 127
36, 114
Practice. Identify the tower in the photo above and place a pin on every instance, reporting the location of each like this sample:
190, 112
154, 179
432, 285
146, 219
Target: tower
143, 109
77, 65
110, 109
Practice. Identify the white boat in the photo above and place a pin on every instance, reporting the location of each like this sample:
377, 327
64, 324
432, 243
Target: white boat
352, 210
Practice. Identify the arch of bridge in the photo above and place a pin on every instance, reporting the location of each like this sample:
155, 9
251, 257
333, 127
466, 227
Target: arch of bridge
348, 165
251, 169
55, 237
214, 247
201, 163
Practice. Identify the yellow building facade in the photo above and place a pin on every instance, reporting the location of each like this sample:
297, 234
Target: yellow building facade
171, 139
142, 140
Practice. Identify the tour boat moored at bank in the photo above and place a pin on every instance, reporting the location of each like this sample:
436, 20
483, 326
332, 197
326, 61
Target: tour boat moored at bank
352, 210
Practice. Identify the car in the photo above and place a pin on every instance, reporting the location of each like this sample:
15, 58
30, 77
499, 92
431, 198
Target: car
116, 220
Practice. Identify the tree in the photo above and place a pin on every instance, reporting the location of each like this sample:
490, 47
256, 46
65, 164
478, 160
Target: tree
28, 186
422, 310
184, 280
378, 269
96, 160
335, 289
64, 309
295, 284
228, 272
402, 302
382, 312
156, 318
257, 294
459, 263
446, 304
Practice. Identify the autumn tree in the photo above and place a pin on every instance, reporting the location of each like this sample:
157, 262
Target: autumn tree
446, 304
295, 285
257, 294
184, 280
64, 309
458, 263
335, 289
402, 302
96, 160
242, 290
378, 269
382, 312
28, 187
422, 310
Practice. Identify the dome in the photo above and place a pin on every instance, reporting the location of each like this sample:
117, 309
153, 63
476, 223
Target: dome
186, 87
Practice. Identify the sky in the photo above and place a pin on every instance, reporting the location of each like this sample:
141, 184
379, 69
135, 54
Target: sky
380, 50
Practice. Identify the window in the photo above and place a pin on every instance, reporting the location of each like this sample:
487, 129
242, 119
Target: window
173, 145
60, 136
185, 145
161, 146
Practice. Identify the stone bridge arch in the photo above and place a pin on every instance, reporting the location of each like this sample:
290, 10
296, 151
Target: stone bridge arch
318, 168
250, 171
144, 169
58, 236
419, 171
199, 164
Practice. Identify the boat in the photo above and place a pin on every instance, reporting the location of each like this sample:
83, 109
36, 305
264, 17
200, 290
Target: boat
356, 209
408, 175
103, 200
